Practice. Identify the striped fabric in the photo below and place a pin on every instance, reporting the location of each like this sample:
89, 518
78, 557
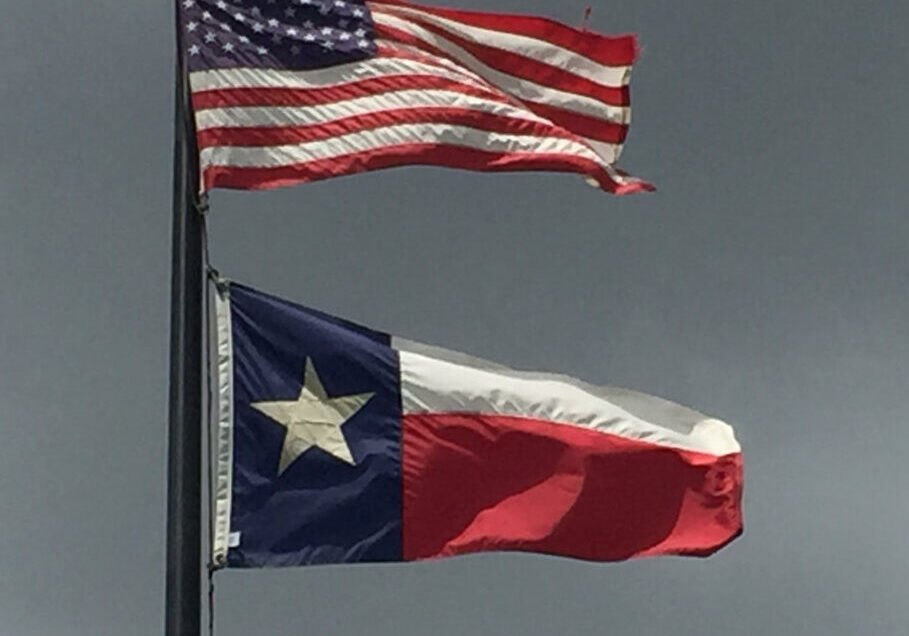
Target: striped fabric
434, 86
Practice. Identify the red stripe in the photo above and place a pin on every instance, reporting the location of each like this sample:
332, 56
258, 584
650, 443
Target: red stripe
611, 51
279, 96
478, 482
261, 136
579, 124
526, 68
410, 154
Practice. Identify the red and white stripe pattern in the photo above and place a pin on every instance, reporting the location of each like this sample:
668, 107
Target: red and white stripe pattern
497, 459
461, 89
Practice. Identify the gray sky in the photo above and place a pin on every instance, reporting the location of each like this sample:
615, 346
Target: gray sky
765, 283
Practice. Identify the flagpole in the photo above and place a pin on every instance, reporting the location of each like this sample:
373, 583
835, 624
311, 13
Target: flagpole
184, 466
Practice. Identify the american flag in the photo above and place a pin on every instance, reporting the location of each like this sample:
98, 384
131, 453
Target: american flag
290, 91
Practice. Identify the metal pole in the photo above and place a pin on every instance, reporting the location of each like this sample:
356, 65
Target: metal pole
184, 466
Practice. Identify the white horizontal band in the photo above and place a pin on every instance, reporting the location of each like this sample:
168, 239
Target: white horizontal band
430, 384
318, 78
364, 141
240, 116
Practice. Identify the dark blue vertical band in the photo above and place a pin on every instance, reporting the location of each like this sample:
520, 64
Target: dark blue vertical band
320, 509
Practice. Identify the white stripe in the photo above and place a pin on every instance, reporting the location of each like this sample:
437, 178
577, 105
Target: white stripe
223, 446
667, 413
608, 151
363, 141
320, 78
566, 59
521, 88
391, 48
240, 116
433, 385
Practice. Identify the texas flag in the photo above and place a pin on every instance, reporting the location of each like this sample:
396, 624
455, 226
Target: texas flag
336, 443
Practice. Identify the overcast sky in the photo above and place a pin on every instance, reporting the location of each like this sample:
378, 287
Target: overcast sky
764, 283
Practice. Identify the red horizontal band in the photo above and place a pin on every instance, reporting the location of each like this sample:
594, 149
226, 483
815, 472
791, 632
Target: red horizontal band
580, 124
286, 96
484, 482
410, 154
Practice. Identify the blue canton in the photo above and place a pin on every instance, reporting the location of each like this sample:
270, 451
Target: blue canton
275, 34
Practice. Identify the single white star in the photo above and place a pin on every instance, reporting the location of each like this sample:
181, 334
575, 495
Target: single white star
358, 13
225, 26
326, 31
262, 50
210, 37
340, 3
239, 17
244, 39
256, 11
227, 46
221, 4
309, 37
290, 12
194, 49
313, 419
344, 36
328, 44
191, 26
363, 44
343, 23
206, 15
308, 24
188, 3
273, 23
291, 31
360, 33
257, 27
